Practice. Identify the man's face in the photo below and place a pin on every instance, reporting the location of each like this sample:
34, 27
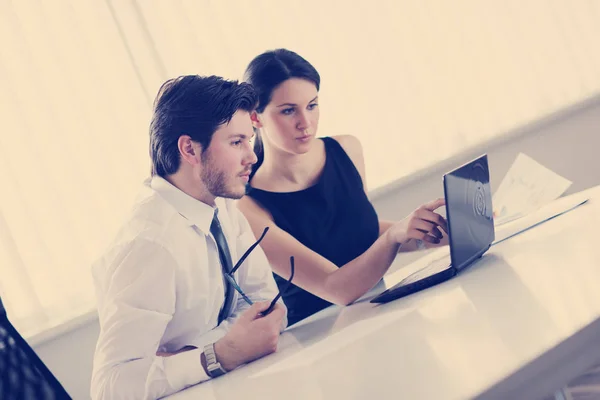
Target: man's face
227, 162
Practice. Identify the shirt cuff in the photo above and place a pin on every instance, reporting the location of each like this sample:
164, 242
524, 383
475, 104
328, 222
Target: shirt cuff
185, 369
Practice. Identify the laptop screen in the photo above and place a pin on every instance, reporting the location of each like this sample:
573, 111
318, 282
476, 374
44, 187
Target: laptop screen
469, 211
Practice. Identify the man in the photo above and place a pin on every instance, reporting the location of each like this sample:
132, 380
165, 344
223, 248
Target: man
168, 317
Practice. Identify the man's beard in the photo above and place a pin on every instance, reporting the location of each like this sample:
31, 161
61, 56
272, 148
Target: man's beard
215, 181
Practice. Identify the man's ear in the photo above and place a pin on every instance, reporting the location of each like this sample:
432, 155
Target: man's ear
255, 118
190, 151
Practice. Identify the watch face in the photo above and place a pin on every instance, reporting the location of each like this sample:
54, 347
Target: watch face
215, 370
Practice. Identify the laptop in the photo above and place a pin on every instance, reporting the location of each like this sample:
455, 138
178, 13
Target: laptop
470, 229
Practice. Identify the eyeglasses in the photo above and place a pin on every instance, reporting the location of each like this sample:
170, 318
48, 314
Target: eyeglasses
231, 279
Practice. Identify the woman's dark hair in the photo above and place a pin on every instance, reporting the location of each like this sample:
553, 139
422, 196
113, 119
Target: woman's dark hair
269, 70
196, 106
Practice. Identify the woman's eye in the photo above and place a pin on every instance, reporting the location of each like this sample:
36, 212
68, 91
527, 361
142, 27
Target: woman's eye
287, 111
237, 143
312, 106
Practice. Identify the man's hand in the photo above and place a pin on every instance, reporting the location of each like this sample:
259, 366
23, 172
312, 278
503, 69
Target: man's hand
252, 336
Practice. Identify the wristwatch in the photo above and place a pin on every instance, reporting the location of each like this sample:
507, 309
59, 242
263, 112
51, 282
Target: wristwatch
213, 366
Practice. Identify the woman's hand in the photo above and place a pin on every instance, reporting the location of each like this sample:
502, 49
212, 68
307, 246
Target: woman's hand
422, 224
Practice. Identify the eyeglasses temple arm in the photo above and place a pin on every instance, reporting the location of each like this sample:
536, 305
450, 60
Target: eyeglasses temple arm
283, 290
247, 253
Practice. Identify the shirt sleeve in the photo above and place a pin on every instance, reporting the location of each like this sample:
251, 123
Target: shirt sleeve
136, 301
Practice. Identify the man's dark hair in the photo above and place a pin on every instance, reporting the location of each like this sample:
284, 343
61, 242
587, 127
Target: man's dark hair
195, 106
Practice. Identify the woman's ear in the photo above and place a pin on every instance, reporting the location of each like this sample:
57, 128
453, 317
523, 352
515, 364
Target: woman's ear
189, 150
255, 118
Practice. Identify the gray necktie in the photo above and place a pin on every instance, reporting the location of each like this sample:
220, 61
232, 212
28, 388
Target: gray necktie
226, 263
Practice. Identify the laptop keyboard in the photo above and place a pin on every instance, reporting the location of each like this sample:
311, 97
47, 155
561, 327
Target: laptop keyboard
432, 268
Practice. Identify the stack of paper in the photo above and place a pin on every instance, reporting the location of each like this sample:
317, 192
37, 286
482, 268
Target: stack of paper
551, 210
526, 187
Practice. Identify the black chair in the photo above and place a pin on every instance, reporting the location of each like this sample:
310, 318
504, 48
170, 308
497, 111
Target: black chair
23, 376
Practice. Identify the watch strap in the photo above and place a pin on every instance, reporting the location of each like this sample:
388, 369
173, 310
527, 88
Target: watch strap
213, 366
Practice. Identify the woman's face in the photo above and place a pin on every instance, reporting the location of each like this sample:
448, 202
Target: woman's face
289, 122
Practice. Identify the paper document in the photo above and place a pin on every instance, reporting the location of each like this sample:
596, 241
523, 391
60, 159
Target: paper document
527, 186
549, 211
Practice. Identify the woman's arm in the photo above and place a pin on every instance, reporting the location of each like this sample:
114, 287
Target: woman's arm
353, 148
323, 278
409, 245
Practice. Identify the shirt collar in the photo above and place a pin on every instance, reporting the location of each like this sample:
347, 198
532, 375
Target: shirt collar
195, 211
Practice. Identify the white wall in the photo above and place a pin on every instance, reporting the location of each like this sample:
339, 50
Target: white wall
455, 72
567, 143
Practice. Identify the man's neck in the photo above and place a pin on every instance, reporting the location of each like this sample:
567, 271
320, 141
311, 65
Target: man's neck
184, 181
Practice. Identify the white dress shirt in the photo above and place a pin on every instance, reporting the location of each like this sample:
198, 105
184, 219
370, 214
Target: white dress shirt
160, 288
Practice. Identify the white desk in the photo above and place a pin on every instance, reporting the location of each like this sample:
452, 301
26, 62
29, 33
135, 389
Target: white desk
519, 323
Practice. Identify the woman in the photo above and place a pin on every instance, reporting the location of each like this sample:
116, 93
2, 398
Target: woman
311, 194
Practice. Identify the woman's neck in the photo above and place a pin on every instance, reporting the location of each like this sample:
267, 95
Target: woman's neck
286, 171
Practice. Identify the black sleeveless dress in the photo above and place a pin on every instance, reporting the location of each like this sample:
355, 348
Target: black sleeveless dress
334, 218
